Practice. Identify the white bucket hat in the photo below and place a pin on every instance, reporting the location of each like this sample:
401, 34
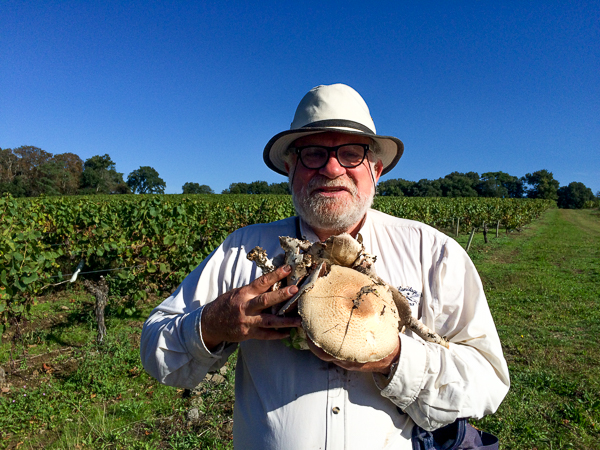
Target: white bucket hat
331, 108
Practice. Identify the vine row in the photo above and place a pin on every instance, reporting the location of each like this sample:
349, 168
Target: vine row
161, 238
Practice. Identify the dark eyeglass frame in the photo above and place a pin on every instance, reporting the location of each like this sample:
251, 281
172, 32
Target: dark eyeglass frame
335, 149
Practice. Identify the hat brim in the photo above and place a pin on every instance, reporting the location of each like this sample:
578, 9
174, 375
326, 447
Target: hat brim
391, 148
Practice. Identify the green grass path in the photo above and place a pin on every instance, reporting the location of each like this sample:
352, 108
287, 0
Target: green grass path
543, 287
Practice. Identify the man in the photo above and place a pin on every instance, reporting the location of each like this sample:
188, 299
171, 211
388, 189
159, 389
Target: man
291, 399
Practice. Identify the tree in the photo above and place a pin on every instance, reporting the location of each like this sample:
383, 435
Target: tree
257, 187
29, 171
500, 184
396, 187
195, 188
10, 181
31, 158
574, 196
236, 188
47, 182
543, 185
100, 177
71, 168
60, 175
145, 180
427, 188
282, 188
457, 184
8, 165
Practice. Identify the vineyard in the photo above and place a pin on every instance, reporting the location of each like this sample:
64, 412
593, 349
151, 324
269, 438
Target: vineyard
145, 244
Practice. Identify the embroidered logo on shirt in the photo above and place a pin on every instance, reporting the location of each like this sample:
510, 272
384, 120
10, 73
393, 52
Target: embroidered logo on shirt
413, 296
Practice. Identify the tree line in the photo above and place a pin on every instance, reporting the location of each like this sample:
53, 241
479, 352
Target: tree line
539, 184
29, 171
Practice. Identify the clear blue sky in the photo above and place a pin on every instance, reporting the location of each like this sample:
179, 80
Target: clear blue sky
196, 89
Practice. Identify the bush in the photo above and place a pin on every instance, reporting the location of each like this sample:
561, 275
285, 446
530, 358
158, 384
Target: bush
575, 196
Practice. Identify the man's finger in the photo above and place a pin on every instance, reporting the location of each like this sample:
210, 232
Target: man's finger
273, 321
268, 299
264, 282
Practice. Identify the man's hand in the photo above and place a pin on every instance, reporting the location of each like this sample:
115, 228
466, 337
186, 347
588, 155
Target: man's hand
381, 366
239, 314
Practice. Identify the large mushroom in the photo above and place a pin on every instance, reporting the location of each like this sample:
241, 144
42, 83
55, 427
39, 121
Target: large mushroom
346, 309
350, 316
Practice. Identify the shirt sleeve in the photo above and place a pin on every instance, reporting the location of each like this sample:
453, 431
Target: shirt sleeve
171, 346
436, 385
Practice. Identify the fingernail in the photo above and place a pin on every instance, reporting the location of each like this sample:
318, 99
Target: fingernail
293, 289
287, 268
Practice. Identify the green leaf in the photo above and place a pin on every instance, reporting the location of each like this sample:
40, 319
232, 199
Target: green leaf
168, 240
163, 268
20, 285
17, 256
30, 279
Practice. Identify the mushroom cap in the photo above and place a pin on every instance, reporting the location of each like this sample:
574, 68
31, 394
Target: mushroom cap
342, 249
350, 316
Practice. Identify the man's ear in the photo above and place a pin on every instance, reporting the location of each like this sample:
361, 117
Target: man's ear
378, 170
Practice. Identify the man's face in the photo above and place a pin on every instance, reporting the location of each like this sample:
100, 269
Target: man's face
333, 198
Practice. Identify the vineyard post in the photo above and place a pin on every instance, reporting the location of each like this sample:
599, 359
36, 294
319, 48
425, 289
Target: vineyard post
100, 291
485, 230
471, 239
457, 225
497, 228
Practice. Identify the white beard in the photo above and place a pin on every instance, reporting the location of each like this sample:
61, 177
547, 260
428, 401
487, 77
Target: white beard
335, 215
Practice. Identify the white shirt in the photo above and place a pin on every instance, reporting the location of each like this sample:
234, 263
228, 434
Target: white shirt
290, 399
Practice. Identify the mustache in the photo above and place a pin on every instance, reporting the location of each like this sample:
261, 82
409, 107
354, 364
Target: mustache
321, 181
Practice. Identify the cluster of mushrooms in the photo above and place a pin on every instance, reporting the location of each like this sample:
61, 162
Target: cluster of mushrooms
346, 309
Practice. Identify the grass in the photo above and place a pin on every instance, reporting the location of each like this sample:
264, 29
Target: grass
543, 286
67, 392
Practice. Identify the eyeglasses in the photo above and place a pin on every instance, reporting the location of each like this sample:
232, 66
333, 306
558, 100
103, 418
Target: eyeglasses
348, 155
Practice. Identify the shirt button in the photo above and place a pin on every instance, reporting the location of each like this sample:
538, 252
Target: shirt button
335, 409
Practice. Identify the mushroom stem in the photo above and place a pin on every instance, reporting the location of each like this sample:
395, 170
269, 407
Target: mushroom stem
308, 283
406, 318
297, 260
259, 256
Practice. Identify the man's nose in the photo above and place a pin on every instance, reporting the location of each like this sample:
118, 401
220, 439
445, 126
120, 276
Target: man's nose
333, 168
